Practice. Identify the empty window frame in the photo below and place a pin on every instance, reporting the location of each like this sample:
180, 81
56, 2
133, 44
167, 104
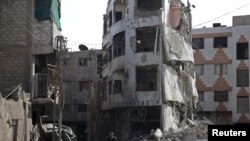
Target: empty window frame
117, 87
220, 42
145, 39
105, 59
119, 44
199, 69
242, 51
149, 5
105, 24
201, 96
198, 43
84, 85
83, 62
220, 69
99, 64
110, 53
242, 104
118, 16
146, 78
242, 78
119, 10
81, 108
220, 96
110, 18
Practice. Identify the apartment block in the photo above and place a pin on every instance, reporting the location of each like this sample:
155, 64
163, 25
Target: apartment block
148, 77
81, 70
222, 71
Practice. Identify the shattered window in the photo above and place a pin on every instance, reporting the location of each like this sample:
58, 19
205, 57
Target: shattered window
220, 96
145, 39
84, 85
198, 43
242, 78
201, 96
146, 78
83, 62
148, 5
119, 44
199, 69
220, 69
117, 87
243, 104
220, 42
242, 51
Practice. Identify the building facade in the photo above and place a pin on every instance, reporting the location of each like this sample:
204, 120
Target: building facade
148, 77
27, 44
222, 70
80, 71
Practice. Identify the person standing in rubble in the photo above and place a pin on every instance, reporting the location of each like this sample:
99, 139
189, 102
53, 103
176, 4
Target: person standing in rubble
111, 137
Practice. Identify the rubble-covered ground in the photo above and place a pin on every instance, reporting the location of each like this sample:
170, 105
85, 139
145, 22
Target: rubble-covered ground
192, 131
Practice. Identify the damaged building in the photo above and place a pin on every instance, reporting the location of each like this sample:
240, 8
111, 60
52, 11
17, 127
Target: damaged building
28, 29
81, 70
148, 67
222, 68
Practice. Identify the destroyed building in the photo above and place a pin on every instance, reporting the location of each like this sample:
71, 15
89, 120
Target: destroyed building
81, 70
148, 67
222, 71
27, 45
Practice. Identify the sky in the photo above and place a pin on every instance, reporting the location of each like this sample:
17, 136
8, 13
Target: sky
82, 20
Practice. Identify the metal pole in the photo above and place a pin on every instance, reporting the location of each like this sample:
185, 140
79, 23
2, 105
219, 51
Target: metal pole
60, 89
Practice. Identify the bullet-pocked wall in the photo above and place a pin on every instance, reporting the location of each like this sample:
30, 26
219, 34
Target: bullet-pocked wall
132, 58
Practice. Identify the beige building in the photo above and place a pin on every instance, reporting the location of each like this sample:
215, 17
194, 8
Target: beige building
80, 71
148, 77
222, 70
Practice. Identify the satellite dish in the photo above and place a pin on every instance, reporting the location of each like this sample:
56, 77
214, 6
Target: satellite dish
83, 47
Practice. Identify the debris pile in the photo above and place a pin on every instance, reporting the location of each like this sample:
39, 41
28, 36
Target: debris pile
193, 130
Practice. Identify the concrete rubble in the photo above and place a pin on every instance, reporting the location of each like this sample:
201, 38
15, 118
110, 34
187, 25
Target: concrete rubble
195, 130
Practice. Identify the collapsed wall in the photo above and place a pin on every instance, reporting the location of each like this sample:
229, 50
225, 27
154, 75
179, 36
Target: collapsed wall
178, 76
